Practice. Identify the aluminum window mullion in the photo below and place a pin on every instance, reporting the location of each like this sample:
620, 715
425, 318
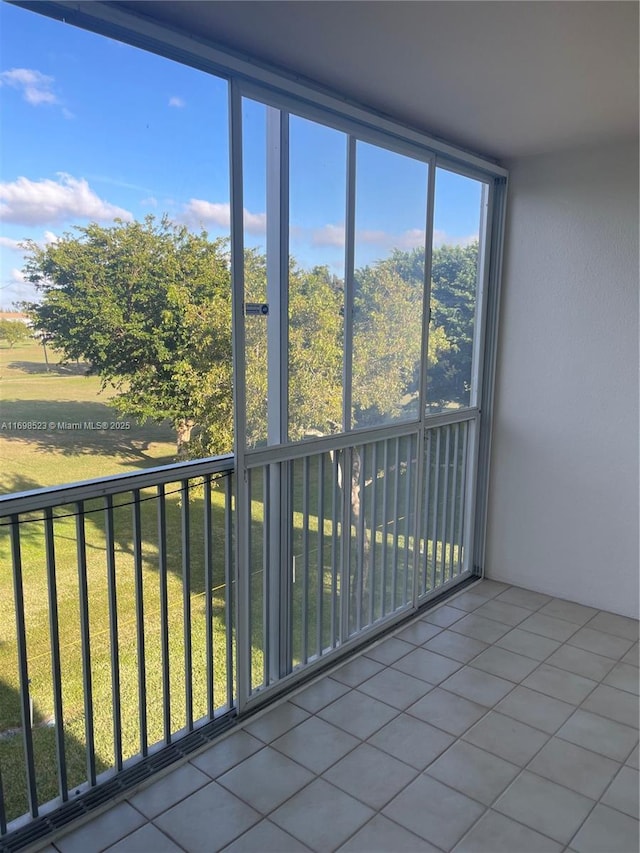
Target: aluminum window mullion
349, 260
242, 518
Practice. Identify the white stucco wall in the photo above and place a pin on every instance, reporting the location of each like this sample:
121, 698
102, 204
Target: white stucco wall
563, 505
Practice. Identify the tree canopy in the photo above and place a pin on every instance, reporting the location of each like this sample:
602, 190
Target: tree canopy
13, 331
148, 306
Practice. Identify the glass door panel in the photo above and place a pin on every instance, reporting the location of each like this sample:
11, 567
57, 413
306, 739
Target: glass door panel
390, 220
458, 219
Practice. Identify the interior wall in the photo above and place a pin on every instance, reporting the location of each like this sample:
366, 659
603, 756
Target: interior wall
563, 504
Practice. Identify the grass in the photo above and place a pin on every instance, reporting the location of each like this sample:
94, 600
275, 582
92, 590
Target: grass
41, 457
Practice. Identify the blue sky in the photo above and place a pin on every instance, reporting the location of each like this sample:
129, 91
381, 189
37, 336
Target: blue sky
93, 129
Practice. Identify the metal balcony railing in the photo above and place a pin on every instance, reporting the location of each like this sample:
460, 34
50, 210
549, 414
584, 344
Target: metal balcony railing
119, 596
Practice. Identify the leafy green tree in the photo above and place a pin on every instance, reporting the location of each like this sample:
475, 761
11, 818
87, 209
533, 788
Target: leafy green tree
147, 305
453, 287
13, 332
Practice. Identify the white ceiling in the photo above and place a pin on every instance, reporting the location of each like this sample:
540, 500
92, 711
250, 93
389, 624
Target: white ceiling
504, 79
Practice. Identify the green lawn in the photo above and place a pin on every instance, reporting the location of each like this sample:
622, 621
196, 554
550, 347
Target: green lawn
32, 458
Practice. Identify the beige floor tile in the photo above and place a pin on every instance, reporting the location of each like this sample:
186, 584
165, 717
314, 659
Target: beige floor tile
169, 790
322, 816
358, 714
389, 651
372, 776
434, 811
619, 626
394, 687
623, 793
454, 714
427, 665
419, 632
600, 642
506, 664
455, 646
559, 608
478, 686
613, 703
574, 767
480, 628
536, 709
607, 829
581, 662
501, 611
102, 831
530, 645
545, 806
444, 616
599, 734
473, 772
563, 685
495, 833
145, 840
319, 695
226, 753
276, 722
207, 820
624, 676
508, 738
315, 744
524, 598
356, 671
411, 740
549, 626
381, 835
265, 837
266, 779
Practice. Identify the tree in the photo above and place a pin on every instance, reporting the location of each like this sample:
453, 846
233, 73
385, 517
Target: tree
13, 331
147, 304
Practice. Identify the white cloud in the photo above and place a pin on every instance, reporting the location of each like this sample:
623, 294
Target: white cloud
44, 202
328, 235
175, 101
50, 237
36, 88
17, 276
201, 212
152, 201
441, 238
9, 243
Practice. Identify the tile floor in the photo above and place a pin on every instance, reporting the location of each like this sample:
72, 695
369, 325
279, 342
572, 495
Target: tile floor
504, 720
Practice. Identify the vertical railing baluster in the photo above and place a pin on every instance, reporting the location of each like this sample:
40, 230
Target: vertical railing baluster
320, 578
164, 613
208, 594
436, 498
374, 531
3, 813
21, 635
334, 546
140, 640
305, 560
266, 575
396, 513
186, 602
445, 504
454, 493
463, 491
361, 538
385, 518
113, 631
81, 558
247, 652
407, 516
426, 498
228, 586
54, 639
